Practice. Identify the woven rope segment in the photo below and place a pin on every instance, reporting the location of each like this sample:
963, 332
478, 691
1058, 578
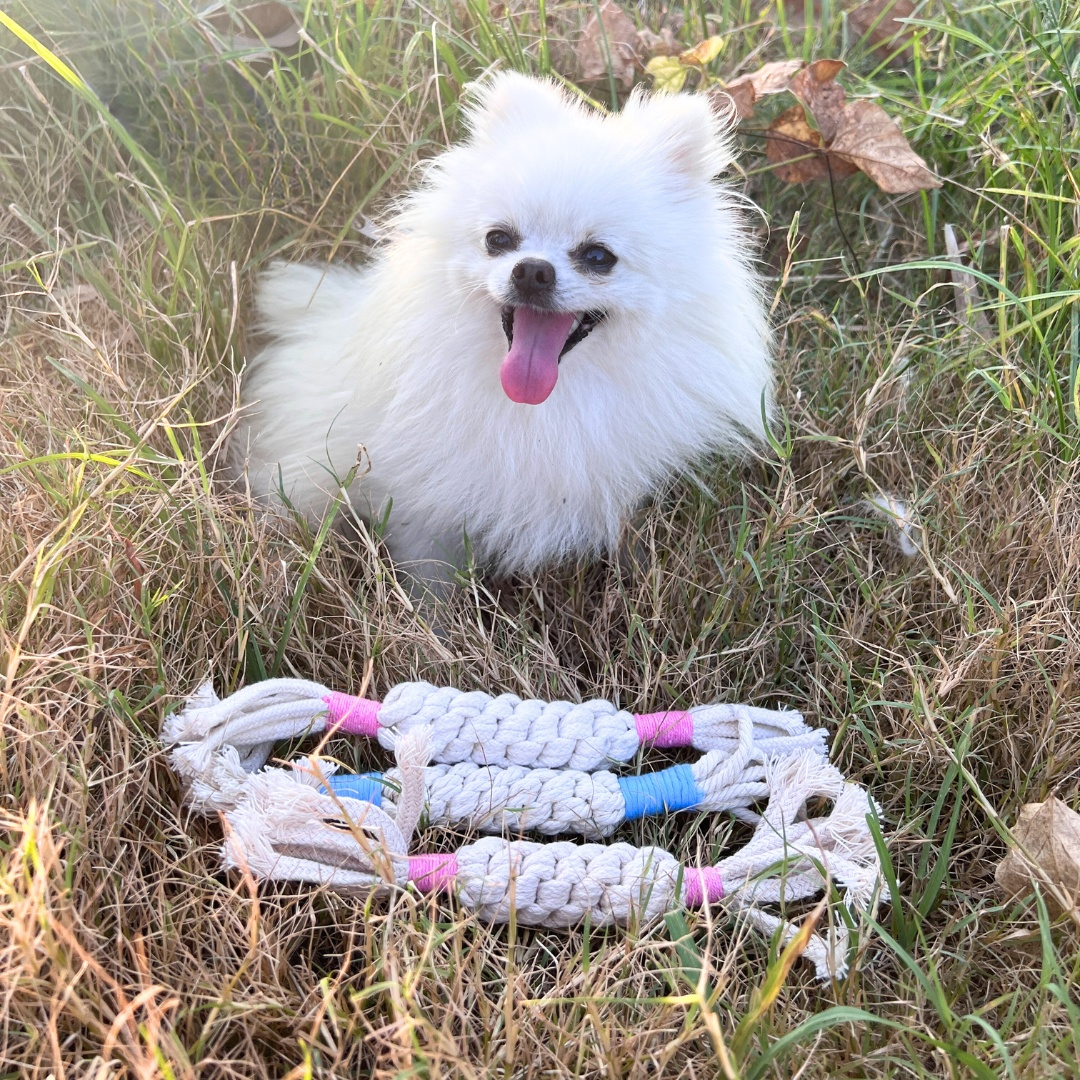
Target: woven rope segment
464, 726
513, 800
516, 799
281, 829
559, 801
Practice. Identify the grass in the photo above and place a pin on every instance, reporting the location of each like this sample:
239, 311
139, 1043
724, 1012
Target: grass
133, 219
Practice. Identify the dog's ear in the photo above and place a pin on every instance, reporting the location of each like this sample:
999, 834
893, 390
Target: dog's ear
509, 100
684, 129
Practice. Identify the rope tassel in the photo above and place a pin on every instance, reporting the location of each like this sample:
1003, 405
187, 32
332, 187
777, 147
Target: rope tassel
465, 726
285, 830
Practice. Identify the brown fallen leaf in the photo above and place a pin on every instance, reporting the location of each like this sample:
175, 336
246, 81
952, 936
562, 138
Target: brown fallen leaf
610, 32
662, 44
748, 89
77, 294
799, 151
816, 87
825, 135
871, 140
264, 26
824, 70
739, 99
771, 78
794, 147
1049, 834
969, 301
876, 20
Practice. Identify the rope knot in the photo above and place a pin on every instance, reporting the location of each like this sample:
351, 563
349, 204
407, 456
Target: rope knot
291, 831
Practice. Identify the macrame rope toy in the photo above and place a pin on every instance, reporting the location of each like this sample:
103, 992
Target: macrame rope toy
282, 829
514, 799
465, 726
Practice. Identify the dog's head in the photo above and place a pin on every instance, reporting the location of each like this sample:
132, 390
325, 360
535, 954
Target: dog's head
566, 221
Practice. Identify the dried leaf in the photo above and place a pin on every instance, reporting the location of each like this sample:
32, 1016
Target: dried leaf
876, 20
743, 93
703, 51
1049, 834
77, 295
825, 70
662, 44
816, 87
840, 167
668, 72
771, 78
261, 26
849, 136
973, 320
870, 139
611, 34
794, 13
739, 99
137, 566
794, 147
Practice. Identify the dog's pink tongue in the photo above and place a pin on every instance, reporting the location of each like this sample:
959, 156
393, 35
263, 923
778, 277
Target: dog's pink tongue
531, 367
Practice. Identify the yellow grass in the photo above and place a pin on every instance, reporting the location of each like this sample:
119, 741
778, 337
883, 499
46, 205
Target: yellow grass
128, 573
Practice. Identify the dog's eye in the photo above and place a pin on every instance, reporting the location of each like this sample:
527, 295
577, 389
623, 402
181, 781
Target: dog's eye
498, 241
596, 258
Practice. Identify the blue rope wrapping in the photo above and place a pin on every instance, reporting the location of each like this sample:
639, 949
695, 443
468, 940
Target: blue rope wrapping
367, 787
654, 793
660, 792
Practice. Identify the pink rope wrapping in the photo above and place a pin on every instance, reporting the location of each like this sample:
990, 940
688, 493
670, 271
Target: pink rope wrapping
353, 715
665, 728
704, 886
433, 873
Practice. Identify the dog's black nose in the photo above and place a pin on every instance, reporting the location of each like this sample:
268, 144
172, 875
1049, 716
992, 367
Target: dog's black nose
533, 279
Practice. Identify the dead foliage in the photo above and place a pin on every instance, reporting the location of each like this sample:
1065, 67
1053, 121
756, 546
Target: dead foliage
256, 29
880, 23
609, 42
945, 670
1047, 855
747, 90
825, 134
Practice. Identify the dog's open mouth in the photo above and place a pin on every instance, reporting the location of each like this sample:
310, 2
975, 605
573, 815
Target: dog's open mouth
538, 340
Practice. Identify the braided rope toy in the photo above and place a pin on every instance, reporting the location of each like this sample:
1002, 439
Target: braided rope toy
465, 726
306, 822
515, 799
284, 828
491, 798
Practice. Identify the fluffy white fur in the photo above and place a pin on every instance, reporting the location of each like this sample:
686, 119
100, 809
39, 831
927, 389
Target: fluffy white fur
403, 357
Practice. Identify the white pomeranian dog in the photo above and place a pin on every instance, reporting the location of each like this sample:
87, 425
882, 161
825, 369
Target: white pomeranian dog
563, 316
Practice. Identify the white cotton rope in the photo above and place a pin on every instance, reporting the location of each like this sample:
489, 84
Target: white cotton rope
465, 726
285, 830
559, 801
516, 799
377, 845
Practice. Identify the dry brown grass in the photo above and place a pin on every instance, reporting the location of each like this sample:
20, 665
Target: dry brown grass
127, 575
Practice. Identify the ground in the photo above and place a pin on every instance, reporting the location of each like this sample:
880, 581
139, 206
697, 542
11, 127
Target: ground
943, 659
